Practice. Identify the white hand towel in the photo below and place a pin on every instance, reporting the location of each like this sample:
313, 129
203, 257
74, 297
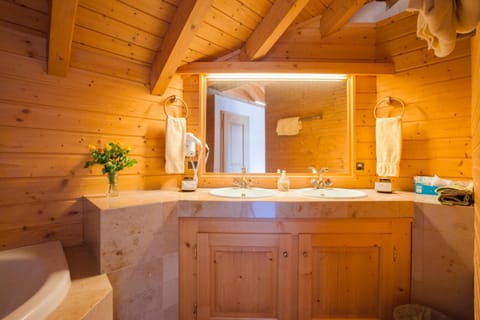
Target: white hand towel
389, 146
289, 126
175, 144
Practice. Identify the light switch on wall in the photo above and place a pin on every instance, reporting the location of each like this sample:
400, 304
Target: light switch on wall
360, 166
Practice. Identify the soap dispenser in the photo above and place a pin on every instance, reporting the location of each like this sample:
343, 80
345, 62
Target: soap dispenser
283, 183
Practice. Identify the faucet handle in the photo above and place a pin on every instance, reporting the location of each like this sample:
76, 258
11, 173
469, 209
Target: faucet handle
236, 181
312, 168
328, 183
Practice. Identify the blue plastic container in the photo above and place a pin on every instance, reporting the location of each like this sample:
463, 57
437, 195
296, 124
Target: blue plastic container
421, 188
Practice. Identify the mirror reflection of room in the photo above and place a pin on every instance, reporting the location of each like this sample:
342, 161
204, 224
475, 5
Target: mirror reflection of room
266, 125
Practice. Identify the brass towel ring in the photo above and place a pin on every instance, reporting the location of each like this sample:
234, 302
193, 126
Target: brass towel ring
173, 99
389, 101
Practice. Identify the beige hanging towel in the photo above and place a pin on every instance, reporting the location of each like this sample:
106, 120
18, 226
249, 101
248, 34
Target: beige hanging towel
289, 126
175, 144
439, 21
436, 24
389, 146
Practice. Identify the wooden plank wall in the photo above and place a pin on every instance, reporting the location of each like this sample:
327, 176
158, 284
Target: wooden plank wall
321, 142
437, 92
476, 160
302, 42
47, 123
364, 131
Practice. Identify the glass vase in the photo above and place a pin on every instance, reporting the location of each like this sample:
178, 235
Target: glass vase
112, 184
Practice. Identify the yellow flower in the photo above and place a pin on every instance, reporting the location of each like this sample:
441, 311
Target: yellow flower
113, 157
92, 147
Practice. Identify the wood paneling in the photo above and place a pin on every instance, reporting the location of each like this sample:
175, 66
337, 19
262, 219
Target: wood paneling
26, 16
295, 269
106, 97
253, 264
321, 142
437, 94
47, 123
476, 161
273, 25
305, 42
62, 23
338, 14
179, 38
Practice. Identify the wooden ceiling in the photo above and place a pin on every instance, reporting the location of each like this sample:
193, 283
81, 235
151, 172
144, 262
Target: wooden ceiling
162, 35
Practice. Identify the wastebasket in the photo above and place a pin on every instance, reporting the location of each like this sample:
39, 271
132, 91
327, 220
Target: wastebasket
417, 312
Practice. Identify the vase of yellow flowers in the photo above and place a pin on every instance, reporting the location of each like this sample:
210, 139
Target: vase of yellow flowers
114, 158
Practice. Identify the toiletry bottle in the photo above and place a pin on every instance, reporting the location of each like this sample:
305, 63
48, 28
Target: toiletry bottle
283, 183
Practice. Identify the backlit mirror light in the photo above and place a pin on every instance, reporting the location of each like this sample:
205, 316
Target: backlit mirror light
277, 76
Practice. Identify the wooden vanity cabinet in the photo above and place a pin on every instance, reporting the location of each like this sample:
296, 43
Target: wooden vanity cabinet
293, 269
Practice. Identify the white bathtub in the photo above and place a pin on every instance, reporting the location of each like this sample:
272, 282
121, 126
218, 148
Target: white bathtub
33, 281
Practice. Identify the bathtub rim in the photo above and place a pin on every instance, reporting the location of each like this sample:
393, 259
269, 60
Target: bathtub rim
55, 288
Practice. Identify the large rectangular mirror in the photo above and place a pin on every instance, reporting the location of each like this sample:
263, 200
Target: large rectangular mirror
282, 123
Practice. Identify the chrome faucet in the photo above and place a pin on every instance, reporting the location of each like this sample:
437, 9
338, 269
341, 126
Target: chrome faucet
243, 182
321, 182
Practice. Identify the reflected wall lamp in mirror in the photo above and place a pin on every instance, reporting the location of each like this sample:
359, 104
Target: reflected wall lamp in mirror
243, 113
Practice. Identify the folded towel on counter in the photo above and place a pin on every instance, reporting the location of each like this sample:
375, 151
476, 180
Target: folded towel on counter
456, 194
289, 126
388, 146
175, 144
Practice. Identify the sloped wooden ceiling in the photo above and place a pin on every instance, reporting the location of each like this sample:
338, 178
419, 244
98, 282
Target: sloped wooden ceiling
158, 36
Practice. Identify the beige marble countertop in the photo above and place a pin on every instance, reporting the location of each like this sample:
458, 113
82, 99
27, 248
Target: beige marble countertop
200, 202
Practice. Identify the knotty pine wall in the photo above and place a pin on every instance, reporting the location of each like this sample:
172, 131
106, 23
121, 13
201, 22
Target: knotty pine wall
355, 41
437, 136
476, 160
47, 122
321, 142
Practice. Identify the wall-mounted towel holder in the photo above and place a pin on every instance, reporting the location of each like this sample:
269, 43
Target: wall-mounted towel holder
389, 101
314, 117
173, 99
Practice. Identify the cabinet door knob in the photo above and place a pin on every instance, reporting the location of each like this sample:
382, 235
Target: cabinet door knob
285, 254
305, 254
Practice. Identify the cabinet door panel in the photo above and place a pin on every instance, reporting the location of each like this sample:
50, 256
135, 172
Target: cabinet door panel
340, 276
244, 276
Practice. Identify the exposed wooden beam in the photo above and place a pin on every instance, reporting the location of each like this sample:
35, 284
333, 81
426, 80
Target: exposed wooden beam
287, 67
338, 14
180, 34
62, 23
273, 25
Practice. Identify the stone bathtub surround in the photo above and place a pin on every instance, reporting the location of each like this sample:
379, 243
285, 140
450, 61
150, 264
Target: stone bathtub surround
442, 248
134, 237
90, 294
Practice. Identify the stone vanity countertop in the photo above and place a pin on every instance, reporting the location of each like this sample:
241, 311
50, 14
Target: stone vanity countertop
281, 205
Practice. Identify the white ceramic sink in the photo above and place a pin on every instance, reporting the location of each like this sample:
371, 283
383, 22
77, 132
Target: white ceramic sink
242, 193
333, 193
